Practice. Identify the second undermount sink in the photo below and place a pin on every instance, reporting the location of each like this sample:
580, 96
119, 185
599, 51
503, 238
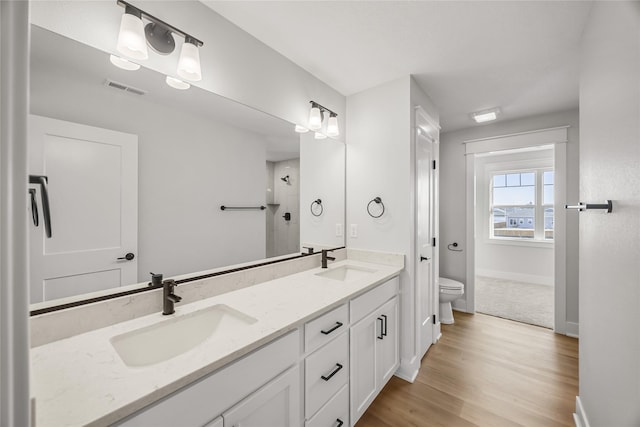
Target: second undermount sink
176, 335
346, 273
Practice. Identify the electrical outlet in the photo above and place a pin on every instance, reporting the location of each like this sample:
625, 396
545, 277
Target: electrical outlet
354, 230
338, 230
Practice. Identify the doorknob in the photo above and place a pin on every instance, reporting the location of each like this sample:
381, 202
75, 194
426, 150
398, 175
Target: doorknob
424, 258
127, 257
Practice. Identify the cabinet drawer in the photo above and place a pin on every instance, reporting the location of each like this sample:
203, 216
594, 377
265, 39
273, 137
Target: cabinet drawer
326, 371
324, 328
336, 411
373, 299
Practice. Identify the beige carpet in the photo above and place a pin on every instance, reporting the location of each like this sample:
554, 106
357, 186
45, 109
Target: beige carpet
524, 302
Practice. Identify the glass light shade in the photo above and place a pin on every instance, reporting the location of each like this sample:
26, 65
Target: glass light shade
131, 39
301, 129
315, 118
332, 127
177, 83
125, 64
319, 135
189, 62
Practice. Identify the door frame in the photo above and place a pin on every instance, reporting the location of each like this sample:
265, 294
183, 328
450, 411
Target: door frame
424, 123
557, 137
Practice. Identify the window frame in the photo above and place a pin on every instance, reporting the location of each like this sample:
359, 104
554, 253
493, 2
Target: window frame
539, 206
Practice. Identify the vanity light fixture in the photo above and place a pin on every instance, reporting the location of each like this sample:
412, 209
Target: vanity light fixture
316, 117
125, 64
319, 135
301, 129
177, 83
486, 115
134, 37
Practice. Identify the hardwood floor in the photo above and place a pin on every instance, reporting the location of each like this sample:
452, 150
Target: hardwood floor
485, 371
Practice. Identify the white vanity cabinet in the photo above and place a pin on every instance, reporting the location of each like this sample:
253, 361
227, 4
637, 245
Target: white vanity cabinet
374, 344
246, 381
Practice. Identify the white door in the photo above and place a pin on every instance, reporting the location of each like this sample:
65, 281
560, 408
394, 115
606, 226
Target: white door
425, 294
92, 180
275, 405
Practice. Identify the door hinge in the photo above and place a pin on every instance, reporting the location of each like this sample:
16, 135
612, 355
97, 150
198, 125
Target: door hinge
434, 165
433, 242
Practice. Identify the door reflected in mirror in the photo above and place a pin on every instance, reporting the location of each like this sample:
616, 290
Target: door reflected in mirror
137, 173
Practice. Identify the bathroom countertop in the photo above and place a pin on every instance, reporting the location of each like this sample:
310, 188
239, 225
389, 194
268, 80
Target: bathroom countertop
81, 380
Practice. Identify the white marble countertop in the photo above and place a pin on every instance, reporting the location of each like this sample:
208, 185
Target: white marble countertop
81, 380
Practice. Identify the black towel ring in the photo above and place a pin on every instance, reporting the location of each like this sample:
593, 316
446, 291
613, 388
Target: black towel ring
315, 212
378, 201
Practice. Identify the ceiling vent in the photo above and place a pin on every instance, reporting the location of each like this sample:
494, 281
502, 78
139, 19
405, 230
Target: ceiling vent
123, 87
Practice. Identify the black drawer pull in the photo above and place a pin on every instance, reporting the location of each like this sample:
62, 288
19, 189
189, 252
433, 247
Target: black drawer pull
335, 371
381, 336
340, 422
338, 324
384, 332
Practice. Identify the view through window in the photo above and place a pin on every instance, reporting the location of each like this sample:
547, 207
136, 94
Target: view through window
522, 205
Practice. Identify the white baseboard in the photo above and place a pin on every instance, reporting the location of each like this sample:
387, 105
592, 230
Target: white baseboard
408, 370
518, 277
572, 330
580, 417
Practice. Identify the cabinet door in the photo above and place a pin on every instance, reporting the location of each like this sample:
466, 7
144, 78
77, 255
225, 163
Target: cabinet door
277, 404
387, 348
364, 335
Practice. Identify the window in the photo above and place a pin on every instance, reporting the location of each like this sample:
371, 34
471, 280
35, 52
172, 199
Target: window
522, 205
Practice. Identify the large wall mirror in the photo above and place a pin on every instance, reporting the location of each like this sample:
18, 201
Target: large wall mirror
136, 173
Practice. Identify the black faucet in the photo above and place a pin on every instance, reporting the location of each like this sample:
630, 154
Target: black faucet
168, 297
325, 257
309, 250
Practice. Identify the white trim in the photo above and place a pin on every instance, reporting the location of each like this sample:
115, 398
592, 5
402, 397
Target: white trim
408, 371
14, 276
580, 416
518, 277
560, 237
572, 329
557, 136
517, 140
514, 241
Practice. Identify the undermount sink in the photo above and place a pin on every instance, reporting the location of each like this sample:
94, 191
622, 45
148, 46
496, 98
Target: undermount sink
174, 336
346, 273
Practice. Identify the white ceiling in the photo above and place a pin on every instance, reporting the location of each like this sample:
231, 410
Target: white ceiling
521, 56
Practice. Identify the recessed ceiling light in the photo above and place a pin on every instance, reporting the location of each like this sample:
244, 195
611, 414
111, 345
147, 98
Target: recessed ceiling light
486, 115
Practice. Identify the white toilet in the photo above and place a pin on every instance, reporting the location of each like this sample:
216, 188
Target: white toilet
450, 290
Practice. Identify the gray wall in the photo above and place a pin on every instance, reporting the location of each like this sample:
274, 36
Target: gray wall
610, 244
452, 190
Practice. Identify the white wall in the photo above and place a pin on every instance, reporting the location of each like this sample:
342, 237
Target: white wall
323, 180
453, 194
188, 167
234, 64
521, 261
380, 163
610, 243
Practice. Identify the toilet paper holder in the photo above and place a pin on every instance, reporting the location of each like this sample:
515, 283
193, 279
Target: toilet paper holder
584, 206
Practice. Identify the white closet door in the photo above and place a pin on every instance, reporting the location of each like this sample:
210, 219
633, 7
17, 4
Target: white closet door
92, 180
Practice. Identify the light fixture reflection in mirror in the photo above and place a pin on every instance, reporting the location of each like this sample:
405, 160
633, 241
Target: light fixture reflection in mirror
188, 147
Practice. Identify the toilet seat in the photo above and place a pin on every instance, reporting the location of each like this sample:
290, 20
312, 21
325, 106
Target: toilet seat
453, 287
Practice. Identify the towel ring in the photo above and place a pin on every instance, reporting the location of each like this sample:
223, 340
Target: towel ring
315, 212
378, 201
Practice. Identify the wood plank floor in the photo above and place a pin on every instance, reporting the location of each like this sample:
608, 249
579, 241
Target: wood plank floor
485, 371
